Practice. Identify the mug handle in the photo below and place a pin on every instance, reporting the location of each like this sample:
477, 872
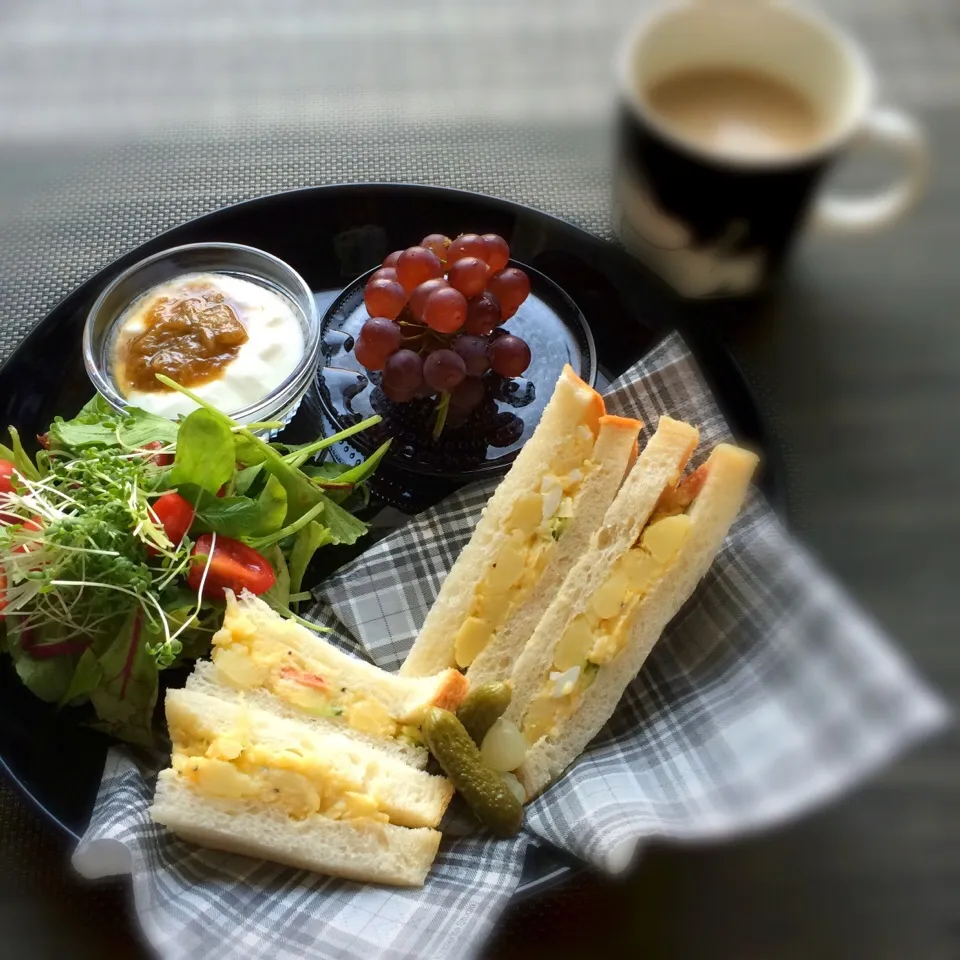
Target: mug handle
892, 130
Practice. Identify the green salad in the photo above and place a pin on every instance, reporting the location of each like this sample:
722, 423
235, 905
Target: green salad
118, 539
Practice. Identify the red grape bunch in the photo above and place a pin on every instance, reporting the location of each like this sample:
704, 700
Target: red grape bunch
434, 309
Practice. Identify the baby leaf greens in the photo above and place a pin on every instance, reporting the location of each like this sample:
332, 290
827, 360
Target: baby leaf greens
205, 452
99, 591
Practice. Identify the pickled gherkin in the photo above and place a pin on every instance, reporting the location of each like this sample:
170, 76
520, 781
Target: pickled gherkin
483, 706
484, 790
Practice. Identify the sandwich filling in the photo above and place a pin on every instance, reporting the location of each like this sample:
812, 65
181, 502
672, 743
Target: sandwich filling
250, 659
294, 779
536, 523
599, 630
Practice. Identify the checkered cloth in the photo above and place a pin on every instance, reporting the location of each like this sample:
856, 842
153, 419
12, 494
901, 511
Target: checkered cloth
769, 693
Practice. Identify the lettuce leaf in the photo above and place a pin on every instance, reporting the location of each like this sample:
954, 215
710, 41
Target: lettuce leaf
47, 678
272, 504
241, 517
278, 596
86, 678
126, 697
205, 452
344, 527
45, 660
308, 540
99, 425
351, 477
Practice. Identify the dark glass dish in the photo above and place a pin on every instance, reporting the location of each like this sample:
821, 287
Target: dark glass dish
482, 444
330, 236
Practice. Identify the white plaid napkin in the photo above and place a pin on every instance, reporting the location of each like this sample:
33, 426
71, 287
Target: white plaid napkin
769, 693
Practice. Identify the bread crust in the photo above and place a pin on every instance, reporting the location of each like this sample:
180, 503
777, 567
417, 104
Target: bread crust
451, 691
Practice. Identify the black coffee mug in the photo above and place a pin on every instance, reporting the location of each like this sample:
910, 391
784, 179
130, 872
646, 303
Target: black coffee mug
718, 223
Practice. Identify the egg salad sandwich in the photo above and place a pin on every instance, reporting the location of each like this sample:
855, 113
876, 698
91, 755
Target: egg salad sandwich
535, 526
655, 543
250, 781
262, 659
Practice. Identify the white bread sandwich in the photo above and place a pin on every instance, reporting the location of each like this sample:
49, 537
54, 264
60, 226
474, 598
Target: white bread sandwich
248, 781
263, 659
537, 523
656, 542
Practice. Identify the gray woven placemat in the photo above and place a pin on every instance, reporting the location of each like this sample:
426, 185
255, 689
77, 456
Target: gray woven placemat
122, 118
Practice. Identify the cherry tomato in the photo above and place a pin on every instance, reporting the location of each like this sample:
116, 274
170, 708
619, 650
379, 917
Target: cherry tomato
7, 473
161, 459
32, 525
232, 565
175, 514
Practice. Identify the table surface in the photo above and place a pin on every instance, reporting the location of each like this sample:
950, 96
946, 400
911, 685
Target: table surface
856, 361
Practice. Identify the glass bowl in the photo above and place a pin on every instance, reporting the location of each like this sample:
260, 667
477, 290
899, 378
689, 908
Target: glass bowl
247, 263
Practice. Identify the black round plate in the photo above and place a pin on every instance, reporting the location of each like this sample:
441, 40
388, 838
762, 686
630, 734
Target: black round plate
331, 235
487, 441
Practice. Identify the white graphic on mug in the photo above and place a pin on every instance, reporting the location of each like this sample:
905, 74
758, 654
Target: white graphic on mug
669, 246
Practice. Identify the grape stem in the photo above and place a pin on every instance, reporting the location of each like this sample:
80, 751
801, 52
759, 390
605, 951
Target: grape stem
443, 405
427, 334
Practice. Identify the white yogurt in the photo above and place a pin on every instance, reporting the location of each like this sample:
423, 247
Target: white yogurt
272, 352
